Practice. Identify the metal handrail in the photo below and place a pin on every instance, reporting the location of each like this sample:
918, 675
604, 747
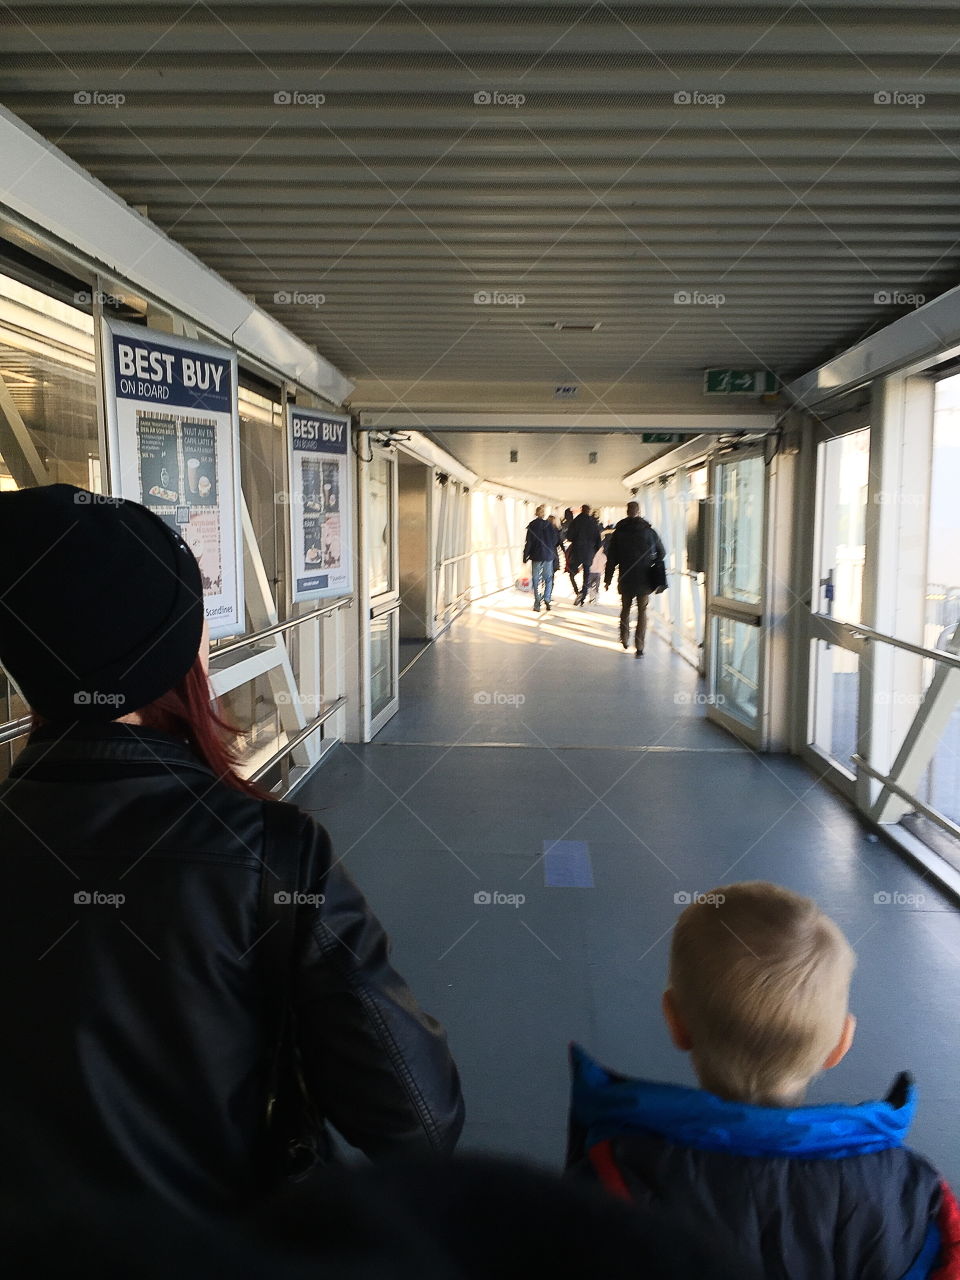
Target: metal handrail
937, 655
322, 611
10, 730
292, 743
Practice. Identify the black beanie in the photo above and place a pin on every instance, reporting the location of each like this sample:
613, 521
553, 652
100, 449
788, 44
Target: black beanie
101, 603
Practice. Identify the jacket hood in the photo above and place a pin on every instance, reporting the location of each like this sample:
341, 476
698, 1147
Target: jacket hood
606, 1105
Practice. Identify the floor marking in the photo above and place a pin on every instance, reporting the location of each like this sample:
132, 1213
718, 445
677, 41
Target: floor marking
566, 865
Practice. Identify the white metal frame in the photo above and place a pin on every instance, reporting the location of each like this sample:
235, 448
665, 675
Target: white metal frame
719, 606
384, 603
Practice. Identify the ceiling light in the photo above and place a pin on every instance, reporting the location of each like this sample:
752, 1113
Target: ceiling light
577, 325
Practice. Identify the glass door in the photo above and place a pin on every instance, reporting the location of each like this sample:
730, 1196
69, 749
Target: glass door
380, 598
735, 665
843, 473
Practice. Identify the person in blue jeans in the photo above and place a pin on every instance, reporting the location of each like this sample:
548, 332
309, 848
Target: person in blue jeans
540, 549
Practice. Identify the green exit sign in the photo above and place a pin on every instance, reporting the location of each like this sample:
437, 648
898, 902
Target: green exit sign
660, 437
743, 382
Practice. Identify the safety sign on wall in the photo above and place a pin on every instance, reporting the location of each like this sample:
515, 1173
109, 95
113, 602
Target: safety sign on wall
320, 526
172, 415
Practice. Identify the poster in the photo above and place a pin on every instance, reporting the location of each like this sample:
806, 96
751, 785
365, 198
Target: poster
320, 504
172, 414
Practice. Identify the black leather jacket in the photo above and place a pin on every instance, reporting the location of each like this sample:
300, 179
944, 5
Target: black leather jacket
135, 1028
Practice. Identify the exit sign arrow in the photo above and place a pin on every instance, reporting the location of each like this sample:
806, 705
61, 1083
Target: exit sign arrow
742, 382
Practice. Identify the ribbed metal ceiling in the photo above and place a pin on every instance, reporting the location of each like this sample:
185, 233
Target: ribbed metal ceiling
599, 197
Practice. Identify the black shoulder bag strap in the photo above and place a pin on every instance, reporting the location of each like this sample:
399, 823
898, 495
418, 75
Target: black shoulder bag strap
279, 885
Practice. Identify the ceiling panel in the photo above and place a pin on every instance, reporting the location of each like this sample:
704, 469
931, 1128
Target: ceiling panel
423, 191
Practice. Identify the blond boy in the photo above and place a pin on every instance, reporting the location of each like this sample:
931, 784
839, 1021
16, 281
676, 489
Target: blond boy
758, 995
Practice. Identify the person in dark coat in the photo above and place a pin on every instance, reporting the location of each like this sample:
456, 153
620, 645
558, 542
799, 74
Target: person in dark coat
758, 996
583, 536
145, 898
565, 524
634, 548
540, 549
555, 523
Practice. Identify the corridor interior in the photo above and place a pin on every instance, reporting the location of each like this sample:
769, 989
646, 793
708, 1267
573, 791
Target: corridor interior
528, 828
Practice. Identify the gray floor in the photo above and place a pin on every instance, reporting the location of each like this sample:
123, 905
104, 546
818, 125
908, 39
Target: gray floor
459, 793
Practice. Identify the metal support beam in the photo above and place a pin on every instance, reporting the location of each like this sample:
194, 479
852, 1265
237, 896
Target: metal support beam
922, 738
700, 423
16, 445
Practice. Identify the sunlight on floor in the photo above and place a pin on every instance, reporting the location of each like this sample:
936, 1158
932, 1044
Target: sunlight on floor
509, 616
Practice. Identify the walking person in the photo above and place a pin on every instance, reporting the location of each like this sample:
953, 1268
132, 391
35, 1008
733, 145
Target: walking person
555, 523
540, 549
636, 550
565, 545
584, 538
200, 987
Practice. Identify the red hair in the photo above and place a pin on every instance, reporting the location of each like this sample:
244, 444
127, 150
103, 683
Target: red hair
187, 711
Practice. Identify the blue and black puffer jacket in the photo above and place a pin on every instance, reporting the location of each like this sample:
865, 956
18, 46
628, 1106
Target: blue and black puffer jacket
802, 1193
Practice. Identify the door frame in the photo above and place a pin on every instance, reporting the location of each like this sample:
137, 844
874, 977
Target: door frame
815, 624
718, 606
384, 603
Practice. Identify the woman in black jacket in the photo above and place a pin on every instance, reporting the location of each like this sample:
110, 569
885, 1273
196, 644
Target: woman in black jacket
178, 949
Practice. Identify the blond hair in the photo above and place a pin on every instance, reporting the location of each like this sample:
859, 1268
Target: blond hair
760, 978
